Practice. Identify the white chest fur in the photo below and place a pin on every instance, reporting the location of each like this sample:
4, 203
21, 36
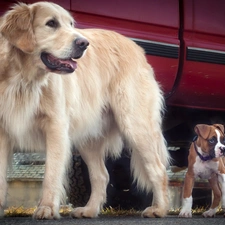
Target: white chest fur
18, 107
204, 169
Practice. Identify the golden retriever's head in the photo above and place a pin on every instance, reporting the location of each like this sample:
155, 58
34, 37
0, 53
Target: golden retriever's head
44, 30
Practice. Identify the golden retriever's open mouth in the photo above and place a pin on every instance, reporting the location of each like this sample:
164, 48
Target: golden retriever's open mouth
58, 65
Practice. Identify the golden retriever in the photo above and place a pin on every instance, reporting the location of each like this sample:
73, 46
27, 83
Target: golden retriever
61, 86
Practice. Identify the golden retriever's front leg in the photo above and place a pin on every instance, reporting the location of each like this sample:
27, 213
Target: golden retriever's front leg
93, 155
57, 157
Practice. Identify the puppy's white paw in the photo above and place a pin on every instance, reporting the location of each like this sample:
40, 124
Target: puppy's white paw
186, 207
46, 212
85, 212
185, 213
210, 213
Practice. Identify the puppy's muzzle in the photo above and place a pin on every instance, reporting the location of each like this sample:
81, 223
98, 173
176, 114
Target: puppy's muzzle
222, 149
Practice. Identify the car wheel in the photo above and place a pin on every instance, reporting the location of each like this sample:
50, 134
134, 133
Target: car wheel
79, 184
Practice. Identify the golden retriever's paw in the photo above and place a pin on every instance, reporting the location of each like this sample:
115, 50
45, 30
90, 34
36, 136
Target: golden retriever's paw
154, 211
45, 212
84, 212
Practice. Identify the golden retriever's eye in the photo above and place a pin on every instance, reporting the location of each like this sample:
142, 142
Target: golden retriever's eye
52, 23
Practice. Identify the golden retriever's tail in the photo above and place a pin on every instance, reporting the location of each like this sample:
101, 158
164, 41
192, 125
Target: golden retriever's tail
148, 164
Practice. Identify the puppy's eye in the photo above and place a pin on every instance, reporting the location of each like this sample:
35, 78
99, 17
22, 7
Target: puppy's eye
52, 23
223, 141
212, 141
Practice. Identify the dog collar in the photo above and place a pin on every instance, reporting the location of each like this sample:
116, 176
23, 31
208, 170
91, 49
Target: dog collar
203, 158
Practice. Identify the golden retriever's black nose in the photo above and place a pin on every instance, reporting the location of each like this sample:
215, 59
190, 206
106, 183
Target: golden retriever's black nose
82, 43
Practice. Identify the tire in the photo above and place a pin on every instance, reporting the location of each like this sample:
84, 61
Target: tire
79, 184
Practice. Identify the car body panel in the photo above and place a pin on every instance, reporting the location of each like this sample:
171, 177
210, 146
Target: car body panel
138, 20
203, 76
183, 40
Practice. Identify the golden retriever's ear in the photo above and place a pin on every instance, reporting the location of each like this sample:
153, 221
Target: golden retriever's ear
16, 27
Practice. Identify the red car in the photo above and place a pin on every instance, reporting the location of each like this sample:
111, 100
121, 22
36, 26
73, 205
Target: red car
184, 41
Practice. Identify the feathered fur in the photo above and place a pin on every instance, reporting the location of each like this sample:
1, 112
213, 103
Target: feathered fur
111, 98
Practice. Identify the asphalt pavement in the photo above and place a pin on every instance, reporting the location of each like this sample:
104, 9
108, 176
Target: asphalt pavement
116, 220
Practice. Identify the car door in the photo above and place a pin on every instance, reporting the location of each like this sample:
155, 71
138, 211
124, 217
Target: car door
202, 84
154, 25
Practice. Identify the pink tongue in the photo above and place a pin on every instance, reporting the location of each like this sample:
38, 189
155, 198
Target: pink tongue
68, 63
74, 65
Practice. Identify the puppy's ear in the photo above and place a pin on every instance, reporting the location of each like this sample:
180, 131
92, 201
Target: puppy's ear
220, 127
16, 27
202, 130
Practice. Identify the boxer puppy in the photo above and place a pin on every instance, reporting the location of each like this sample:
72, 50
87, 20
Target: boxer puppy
206, 160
